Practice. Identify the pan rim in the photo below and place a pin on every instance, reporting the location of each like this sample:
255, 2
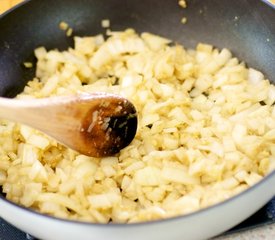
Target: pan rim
267, 2
158, 221
14, 7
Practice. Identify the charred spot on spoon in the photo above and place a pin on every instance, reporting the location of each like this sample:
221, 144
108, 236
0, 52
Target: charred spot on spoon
110, 127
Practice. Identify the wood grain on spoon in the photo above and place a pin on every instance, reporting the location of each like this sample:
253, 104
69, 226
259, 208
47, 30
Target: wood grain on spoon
97, 125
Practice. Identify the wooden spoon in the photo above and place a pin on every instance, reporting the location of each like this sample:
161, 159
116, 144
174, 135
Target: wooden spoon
97, 125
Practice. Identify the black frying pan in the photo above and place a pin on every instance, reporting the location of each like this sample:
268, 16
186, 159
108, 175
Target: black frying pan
246, 27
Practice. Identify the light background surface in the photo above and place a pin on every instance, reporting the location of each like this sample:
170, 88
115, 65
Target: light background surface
6, 4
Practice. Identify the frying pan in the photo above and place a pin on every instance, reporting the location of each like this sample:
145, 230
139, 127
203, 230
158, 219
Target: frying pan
246, 27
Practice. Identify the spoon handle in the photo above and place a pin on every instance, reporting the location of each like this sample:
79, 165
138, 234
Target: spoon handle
19, 110
38, 113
